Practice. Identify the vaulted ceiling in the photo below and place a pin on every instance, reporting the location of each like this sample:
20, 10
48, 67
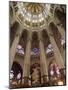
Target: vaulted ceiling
35, 16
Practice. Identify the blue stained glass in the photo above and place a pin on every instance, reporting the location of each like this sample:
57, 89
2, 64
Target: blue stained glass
35, 50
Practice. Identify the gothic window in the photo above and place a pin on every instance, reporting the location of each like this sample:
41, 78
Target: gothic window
35, 51
19, 49
49, 51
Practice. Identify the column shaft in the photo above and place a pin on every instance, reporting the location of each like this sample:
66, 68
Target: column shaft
26, 68
13, 47
62, 33
43, 63
59, 59
27, 59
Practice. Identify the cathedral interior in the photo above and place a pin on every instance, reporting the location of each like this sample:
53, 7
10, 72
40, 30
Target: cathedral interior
37, 44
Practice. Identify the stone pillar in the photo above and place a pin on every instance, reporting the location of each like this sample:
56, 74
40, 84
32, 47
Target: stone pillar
13, 47
43, 62
26, 67
62, 32
58, 57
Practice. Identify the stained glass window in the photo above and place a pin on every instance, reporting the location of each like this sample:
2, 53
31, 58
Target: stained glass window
35, 51
19, 49
49, 49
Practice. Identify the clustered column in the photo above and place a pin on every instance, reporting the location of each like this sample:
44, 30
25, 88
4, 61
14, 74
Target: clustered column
62, 33
13, 47
43, 62
26, 68
59, 59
